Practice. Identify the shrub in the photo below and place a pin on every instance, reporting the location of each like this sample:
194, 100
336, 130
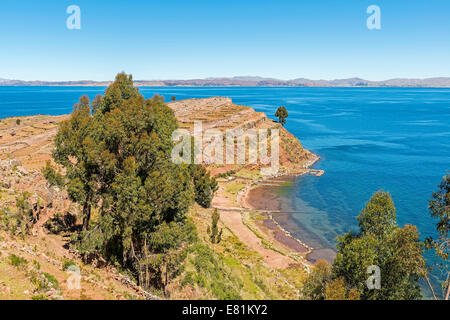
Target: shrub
226, 174
17, 261
211, 273
214, 234
51, 280
44, 281
204, 185
67, 264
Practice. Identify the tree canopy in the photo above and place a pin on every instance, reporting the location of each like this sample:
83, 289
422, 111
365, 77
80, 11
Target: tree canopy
439, 207
380, 242
281, 114
117, 157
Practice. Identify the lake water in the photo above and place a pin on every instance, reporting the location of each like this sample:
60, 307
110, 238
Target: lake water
394, 139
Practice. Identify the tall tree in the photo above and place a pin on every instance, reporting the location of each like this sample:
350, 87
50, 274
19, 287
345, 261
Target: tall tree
117, 155
142, 187
74, 146
126, 144
380, 242
439, 208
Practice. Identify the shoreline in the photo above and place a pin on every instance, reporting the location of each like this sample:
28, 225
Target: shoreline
244, 198
278, 251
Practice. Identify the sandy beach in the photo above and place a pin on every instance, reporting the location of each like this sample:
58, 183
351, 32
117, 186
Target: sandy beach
250, 215
274, 199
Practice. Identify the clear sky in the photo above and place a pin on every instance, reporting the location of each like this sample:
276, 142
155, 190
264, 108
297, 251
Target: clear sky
185, 39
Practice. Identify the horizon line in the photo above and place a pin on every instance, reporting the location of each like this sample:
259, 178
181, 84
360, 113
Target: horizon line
246, 78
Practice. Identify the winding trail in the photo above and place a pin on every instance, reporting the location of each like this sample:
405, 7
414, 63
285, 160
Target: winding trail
233, 220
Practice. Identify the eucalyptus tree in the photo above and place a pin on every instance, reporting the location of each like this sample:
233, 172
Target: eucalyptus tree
381, 243
75, 151
439, 207
117, 157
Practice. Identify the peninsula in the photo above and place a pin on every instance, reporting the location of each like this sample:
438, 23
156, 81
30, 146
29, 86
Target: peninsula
265, 262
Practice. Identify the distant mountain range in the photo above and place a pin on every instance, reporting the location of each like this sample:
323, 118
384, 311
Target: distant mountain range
248, 81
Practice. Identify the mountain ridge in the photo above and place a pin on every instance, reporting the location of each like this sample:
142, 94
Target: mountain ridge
249, 81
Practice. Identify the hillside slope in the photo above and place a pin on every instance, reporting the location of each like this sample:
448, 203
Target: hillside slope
246, 264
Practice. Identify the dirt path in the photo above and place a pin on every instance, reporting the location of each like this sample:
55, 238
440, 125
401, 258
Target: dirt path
233, 220
230, 210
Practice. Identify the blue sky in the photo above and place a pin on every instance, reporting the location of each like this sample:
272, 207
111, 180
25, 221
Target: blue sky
168, 39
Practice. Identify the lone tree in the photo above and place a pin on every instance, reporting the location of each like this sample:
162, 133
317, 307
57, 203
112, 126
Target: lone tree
281, 114
440, 208
173, 98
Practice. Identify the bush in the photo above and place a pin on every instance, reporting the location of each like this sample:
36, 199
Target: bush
214, 234
51, 280
211, 273
44, 281
226, 174
314, 286
204, 185
17, 261
67, 264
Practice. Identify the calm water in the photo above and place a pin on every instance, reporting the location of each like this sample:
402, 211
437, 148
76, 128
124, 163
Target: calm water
393, 139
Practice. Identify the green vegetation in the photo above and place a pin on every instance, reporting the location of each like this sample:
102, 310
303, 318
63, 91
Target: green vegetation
380, 242
439, 208
320, 285
204, 185
314, 286
17, 221
44, 281
233, 188
18, 122
281, 114
214, 234
116, 152
207, 270
67, 264
396, 251
226, 174
51, 280
17, 261
53, 177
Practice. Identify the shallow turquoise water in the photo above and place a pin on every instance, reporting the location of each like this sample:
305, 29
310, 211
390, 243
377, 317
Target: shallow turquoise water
395, 139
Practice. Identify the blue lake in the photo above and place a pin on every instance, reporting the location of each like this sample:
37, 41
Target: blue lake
394, 139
